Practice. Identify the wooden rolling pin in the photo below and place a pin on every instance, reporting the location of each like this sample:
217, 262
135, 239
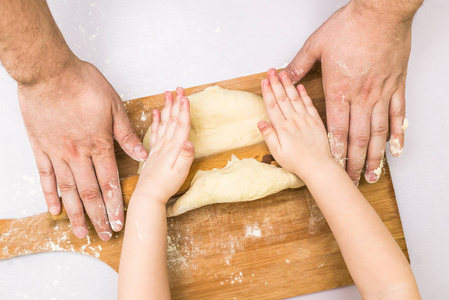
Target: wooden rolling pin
259, 152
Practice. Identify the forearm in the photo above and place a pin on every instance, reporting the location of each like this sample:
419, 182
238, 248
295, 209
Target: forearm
143, 265
374, 260
32, 48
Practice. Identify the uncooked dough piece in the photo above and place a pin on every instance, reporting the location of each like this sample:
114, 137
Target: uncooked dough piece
240, 180
222, 120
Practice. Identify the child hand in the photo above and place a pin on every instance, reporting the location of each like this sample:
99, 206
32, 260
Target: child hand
171, 154
296, 136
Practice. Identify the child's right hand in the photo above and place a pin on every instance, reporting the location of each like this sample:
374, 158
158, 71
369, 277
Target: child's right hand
171, 154
296, 136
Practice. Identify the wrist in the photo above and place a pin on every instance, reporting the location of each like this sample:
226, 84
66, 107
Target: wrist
142, 206
149, 193
62, 61
396, 12
309, 172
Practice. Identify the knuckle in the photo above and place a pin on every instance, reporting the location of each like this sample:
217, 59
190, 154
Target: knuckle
272, 105
337, 92
46, 173
173, 119
77, 217
102, 223
295, 98
50, 195
380, 130
71, 146
267, 132
360, 140
108, 188
283, 98
102, 148
130, 135
366, 89
398, 111
89, 195
339, 134
182, 123
66, 186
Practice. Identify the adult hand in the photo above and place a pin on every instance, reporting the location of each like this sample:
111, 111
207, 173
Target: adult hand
71, 119
364, 51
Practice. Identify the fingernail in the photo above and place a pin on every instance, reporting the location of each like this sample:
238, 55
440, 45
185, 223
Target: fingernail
188, 145
116, 225
404, 124
372, 176
264, 81
105, 235
80, 232
356, 182
140, 152
54, 210
262, 125
395, 147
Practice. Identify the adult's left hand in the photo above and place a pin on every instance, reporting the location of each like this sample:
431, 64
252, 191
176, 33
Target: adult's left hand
364, 52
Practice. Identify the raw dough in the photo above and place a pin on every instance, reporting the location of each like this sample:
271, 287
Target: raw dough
222, 120
240, 180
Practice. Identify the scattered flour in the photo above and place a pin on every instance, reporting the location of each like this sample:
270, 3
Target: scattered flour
253, 230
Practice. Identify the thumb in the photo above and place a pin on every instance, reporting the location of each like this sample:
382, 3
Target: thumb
269, 135
126, 137
185, 158
303, 61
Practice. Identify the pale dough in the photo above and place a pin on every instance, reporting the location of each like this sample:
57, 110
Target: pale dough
222, 120
240, 180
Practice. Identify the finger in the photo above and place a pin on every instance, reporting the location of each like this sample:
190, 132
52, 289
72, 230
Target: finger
337, 114
359, 135
378, 139
107, 174
183, 122
185, 158
292, 93
165, 114
270, 136
280, 95
70, 198
273, 111
125, 135
307, 101
398, 122
303, 61
154, 127
90, 195
173, 120
48, 182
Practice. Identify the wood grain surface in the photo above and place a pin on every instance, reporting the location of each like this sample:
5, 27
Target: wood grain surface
273, 248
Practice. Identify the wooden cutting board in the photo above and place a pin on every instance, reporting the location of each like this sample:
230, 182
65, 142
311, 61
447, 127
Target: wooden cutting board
276, 247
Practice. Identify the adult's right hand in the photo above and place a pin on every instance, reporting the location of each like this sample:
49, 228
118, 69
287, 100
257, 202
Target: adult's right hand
71, 119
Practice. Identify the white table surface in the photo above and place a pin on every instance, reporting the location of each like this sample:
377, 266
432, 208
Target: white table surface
147, 47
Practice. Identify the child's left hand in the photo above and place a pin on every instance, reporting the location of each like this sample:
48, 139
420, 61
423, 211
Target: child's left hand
171, 154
